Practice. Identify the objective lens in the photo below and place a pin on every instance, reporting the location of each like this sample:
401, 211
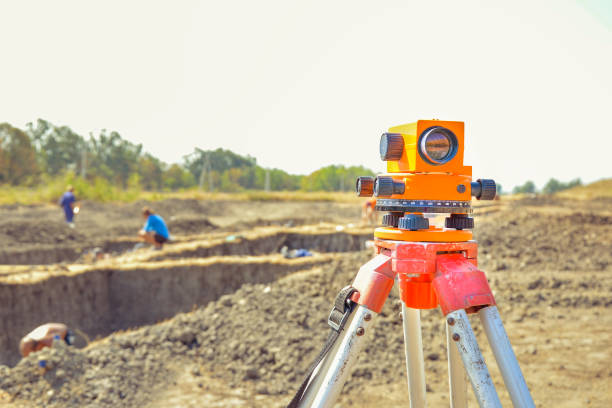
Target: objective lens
438, 145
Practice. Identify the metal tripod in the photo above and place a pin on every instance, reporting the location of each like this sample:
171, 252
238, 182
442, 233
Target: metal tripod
430, 274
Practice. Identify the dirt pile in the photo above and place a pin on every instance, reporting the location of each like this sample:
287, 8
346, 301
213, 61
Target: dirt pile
27, 231
527, 239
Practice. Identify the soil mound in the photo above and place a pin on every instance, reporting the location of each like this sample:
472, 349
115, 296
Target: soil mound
28, 231
190, 225
533, 240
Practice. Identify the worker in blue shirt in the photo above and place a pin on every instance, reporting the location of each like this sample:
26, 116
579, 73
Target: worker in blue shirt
155, 231
69, 204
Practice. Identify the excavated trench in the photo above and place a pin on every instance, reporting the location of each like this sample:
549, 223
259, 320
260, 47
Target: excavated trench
147, 287
270, 242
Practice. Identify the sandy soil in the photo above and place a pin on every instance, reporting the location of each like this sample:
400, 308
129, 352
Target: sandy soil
549, 263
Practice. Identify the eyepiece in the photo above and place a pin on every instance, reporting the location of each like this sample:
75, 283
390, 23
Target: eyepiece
365, 186
391, 146
437, 145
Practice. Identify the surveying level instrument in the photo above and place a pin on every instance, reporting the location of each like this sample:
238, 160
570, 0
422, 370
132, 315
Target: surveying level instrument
433, 266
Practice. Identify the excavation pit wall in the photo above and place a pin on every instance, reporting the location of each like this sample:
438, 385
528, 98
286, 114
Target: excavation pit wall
99, 301
268, 241
145, 288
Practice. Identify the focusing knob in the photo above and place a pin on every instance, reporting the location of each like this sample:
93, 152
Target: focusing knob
391, 146
391, 220
413, 222
459, 221
365, 186
386, 187
383, 187
488, 190
484, 189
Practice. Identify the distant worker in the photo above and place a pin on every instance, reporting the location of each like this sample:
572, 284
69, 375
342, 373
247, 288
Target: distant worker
368, 211
43, 336
155, 231
69, 203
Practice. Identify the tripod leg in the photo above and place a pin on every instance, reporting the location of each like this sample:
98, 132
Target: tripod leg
414, 356
506, 360
463, 336
456, 374
333, 371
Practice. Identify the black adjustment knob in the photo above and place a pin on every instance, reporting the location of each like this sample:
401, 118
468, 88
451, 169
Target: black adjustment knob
392, 219
391, 146
484, 189
386, 187
489, 189
459, 221
413, 222
365, 186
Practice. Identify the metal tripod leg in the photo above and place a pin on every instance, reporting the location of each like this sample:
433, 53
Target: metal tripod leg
333, 371
415, 367
463, 336
456, 374
506, 360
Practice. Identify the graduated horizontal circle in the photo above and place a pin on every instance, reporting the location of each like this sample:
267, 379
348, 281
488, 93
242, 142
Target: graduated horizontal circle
424, 206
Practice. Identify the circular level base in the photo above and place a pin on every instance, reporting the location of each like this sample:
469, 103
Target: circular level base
432, 234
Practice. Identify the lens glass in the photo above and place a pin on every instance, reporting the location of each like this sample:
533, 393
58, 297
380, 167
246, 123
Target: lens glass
437, 145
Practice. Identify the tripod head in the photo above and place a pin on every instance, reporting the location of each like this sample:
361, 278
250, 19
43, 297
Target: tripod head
425, 174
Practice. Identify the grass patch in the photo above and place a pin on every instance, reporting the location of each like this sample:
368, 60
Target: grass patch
100, 190
597, 189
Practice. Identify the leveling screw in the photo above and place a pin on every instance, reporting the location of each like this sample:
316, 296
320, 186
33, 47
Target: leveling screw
367, 317
360, 331
450, 321
456, 337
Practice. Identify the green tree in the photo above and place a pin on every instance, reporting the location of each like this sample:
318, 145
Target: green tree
334, 178
527, 188
176, 177
553, 185
151, 171
58, 148
17, 156
114, 158
219, 160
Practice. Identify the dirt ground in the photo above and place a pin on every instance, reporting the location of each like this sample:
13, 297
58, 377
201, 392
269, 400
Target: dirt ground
549, 262
39, 234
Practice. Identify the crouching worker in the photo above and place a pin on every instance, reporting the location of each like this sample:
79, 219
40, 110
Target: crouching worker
43, 336
155, 231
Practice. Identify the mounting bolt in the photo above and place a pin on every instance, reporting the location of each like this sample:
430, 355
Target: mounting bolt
367, 317
450, 321
456, 336
360, 331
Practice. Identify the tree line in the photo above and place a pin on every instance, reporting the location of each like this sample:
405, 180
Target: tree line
552, 186
43, 150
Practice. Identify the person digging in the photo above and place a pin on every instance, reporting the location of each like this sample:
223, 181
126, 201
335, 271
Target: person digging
43, 336
155, 230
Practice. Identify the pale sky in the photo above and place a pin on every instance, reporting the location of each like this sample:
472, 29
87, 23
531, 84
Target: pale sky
304, 84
